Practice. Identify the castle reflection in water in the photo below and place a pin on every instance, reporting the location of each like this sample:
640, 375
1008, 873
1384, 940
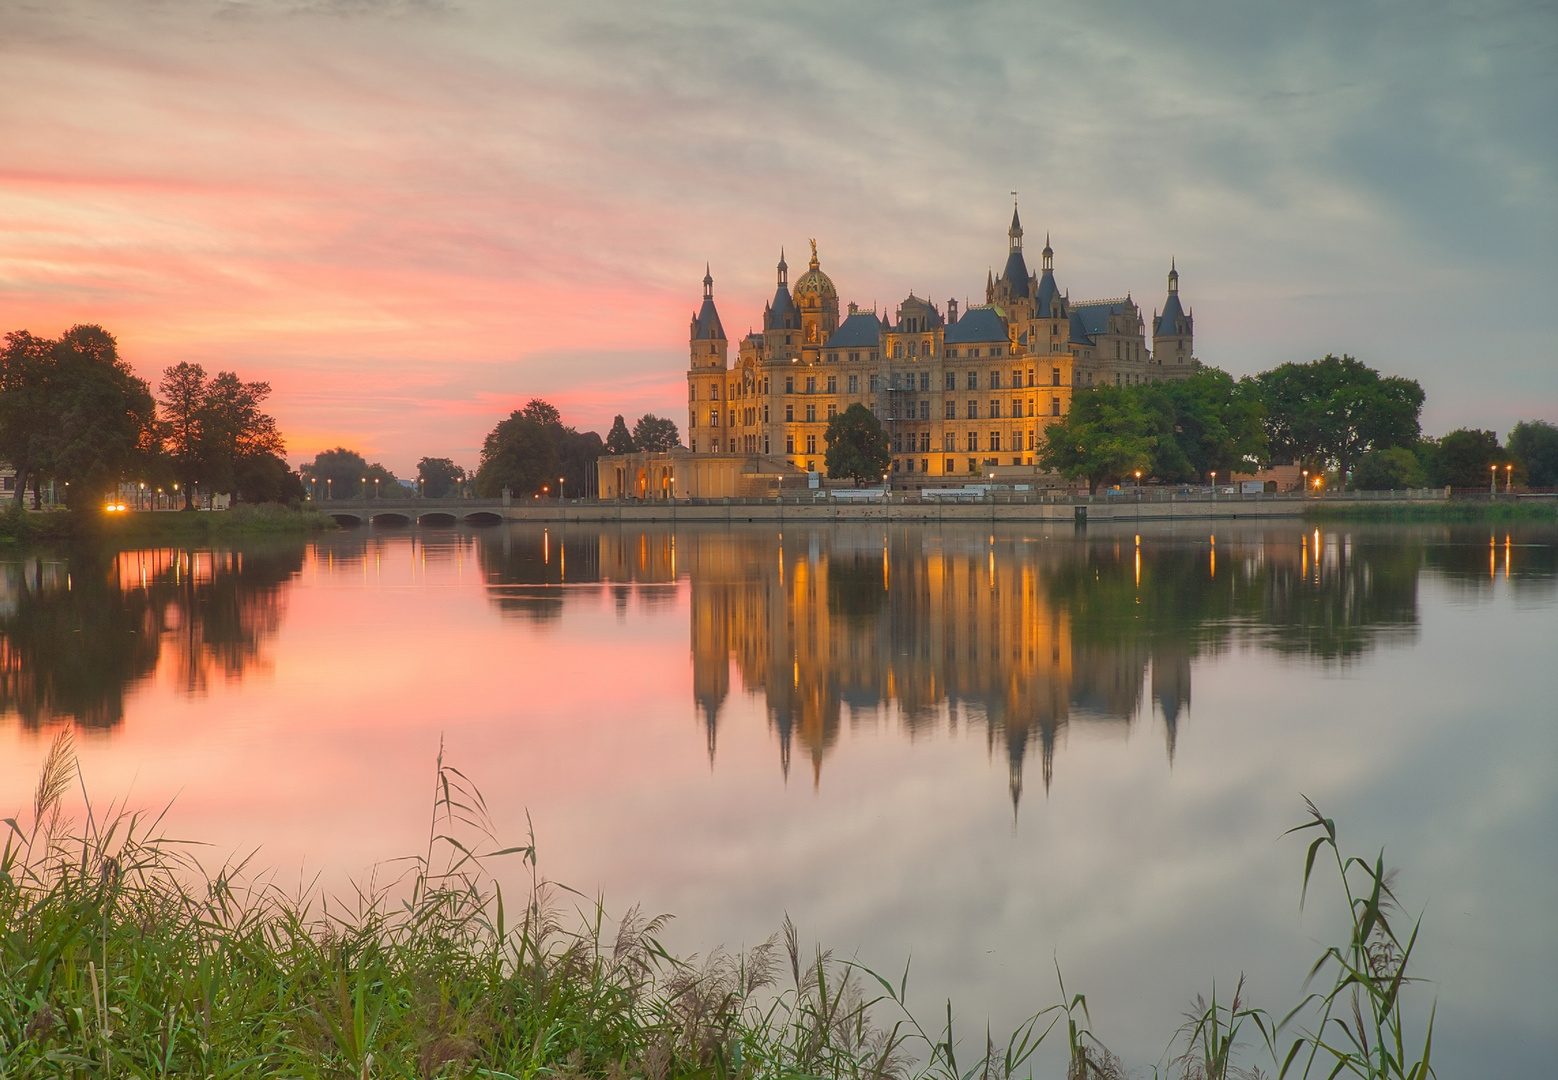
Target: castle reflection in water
1020, 633
1017, 633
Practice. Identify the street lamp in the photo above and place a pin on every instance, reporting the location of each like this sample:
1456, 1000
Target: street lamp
1214, 485
1138, 481
1492, 479
375, 489
365, 489
559, 489
329, 491
1509, 478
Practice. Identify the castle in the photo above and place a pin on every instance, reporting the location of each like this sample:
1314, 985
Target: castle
959, 393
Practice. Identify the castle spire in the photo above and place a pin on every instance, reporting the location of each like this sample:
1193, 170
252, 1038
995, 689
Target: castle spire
1049, 255
708, 283
1014, 234
784, 270
1173, 276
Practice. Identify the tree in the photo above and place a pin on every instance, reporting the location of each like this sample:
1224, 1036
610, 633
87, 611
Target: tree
1388, 470
71, 410
183, 390
26, 364
519, 454
577, 452
1334, 410
440, 477
1464, 458
341, 474
1534, 444
654, 434
1214, 425
856, 445
1107, 434
542, 412
239, 443
620, 440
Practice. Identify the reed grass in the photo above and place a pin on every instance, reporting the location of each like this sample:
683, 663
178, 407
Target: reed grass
1452, 510
121, 956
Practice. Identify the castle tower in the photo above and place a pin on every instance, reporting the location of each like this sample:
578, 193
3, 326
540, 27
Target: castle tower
707, 360
1013, 289
1173, 332
817, 303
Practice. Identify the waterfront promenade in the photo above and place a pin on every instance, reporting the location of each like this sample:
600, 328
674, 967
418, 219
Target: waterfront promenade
819, 506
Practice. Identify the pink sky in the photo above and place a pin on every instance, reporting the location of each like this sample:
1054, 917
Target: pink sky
410, 219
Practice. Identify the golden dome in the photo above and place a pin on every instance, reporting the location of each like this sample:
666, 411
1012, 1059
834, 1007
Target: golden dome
814, 288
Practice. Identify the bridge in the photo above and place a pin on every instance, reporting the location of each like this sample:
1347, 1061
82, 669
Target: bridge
415, 511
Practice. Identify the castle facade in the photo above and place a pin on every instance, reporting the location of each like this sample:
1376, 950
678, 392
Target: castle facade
959, 393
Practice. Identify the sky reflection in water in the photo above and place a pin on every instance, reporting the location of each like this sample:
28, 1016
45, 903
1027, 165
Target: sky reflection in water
989, 750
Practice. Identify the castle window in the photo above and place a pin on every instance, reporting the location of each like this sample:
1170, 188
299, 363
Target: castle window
876, 383
854, 357
1054, 376
714, 391
873, 355
789, 444
974, 353
914, 348
854, 384
811, 384
925, 381
811, 414
973, 465
789, 414
811, 446
1030, 438
789, 384
973, 445
926, 348
765, 444
949, 443
833, 357
951, 464
995, 409
787, 339
952, 352
951, 381
833, 410
973, 410
924, 410
996, 350
908, 464
924, 442
995, 441
951, 410
897, 350
973, 380
833, 384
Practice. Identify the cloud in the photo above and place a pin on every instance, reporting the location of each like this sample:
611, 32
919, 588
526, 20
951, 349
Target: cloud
360, 200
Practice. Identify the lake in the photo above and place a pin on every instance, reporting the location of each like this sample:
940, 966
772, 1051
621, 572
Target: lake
991, 751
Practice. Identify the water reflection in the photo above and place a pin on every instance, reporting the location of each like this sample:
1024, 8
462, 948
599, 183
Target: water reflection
76, 634
1018, 635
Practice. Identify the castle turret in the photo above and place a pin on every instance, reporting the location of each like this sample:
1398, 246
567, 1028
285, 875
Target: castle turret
707, 361
1173, 331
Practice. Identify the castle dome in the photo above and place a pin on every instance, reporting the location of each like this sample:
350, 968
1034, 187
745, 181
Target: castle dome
814, 288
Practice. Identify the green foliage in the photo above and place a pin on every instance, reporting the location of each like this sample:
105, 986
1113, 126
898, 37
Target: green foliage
1391, 469
1361, 1028
653, 434
519, 454
439, 477
1211, 423
532, 449
1463, 459
1534, 444
1332, 411
219, 439
345, 474
71, 410
856, 445
1109, 433
620, 440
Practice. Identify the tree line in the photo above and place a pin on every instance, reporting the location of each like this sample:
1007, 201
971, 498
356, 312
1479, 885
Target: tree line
72, 412
1335, 416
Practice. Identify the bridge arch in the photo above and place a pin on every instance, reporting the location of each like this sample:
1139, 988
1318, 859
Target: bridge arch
389, 517
483, 517
437, 517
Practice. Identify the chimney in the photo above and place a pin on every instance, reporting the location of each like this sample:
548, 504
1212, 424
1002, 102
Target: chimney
952, 312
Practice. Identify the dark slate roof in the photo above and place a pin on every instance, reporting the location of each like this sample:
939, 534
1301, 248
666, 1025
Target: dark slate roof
1167, 322
1090, 319
977, 325
859, 331
781, 313
1016, 273
708, 323
1048, 290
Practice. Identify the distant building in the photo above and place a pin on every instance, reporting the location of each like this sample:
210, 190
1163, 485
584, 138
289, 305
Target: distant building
958, 392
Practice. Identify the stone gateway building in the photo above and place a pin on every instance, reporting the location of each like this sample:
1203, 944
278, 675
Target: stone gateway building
959, 393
